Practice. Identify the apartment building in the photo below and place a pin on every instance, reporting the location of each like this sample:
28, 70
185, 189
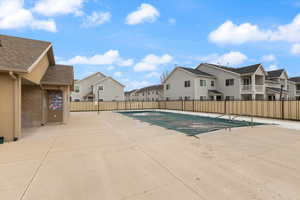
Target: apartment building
149, 93
294, 87
98, 87
216, 82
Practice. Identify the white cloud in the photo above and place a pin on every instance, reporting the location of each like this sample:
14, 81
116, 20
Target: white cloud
136, 84
172, 21
110, 68
58, 7
268, 58
295, 49
96, 19
118, 74
153, 75
144, 13
13, 15
126, 63
151, 62
232, 58
111, 57
273, 67
230, 33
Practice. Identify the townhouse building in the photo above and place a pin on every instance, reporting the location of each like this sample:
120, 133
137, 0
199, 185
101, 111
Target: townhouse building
294, 87
98, 87
149, 93
216, 82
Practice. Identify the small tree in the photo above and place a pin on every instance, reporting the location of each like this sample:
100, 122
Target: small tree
164, 76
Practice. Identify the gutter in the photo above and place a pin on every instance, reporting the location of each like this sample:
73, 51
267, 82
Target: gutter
11, 74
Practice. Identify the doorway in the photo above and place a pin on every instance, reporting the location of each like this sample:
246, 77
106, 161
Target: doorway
55, 105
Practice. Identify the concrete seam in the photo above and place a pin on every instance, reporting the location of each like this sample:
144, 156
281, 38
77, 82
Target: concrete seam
162, 166
37, 170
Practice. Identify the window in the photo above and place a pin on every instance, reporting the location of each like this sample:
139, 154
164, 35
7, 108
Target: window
187, 83
247, 81
77, 89
212, 83
168, 86
229, 98
203, 83
229, 82
167, 98
100, 87
298, 87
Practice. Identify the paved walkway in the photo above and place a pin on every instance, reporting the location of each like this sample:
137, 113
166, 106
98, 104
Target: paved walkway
112, 157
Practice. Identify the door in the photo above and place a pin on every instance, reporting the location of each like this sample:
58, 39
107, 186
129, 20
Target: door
55, 106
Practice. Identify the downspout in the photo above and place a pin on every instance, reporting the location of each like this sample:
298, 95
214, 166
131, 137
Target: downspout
12, 75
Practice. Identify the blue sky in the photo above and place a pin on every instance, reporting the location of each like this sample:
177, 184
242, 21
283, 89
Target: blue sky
135, 41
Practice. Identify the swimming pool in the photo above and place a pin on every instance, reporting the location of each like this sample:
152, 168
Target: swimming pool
188, 124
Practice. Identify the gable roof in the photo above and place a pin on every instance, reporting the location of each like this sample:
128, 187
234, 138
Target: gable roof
107, 78
19, 54
275, 73
151, 87
90, 76
58, 75
295, 79
195, 71
240, 70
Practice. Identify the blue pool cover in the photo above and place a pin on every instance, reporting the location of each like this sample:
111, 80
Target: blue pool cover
188, 124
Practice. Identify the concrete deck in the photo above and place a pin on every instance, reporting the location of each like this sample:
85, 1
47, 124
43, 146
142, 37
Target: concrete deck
112, 157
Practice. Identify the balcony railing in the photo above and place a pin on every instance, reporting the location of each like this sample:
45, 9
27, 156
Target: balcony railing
252, 88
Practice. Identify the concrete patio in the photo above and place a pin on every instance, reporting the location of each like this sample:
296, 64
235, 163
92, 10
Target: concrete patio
112, 157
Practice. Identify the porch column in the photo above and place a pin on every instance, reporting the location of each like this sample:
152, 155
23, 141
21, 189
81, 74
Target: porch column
17, 108
253, 83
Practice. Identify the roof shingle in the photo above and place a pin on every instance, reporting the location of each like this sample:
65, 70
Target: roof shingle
18, 54
196, 71
58, 75
241, 70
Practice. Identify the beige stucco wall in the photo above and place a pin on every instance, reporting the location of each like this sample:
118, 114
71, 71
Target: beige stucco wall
10, 106
39, 70
32, 97
6, 107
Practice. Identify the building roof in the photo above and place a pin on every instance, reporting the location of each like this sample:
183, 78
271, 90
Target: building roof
240, 70
295, 79
19, 54
129, 92
275, 73
152, 87
196, 71
277, 90
58, 75
92, 75
109, 78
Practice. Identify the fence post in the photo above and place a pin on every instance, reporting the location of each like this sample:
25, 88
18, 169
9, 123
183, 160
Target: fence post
225, 107
182, 105
282, 109
193, 105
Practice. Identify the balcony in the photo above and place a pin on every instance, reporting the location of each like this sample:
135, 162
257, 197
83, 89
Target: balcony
298, 92
250, 89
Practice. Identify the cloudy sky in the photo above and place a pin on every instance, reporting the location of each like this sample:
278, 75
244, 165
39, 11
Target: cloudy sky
135, 41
